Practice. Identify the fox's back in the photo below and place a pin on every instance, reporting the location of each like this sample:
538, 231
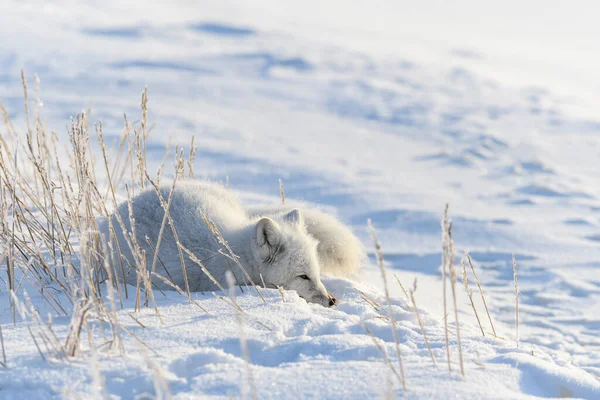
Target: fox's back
190, 200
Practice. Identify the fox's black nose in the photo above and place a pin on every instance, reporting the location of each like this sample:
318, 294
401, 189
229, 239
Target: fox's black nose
332, 301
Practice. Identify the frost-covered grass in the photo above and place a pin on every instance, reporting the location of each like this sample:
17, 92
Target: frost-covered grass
367, 120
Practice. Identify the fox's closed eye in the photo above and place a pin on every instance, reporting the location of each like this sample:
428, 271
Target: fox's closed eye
304, 277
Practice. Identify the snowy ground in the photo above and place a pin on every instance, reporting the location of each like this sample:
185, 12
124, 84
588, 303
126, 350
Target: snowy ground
375, 111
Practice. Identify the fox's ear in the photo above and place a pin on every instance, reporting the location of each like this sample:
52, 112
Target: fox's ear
294, 217
267, 232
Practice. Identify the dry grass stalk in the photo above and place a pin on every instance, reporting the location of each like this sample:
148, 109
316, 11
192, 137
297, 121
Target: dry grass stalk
383, 352
230, 254
282, 192
139, 256
35, 281
124, 165
140, 341
369, 301
28, 313
167, 207
10, 264
161, 383
4, 363
26, 101
119, 165
40, 352
112, 313
227, 300
161, 167
178, 171
207, 273
388, 393
380, 262
98, 380
514, 259
243, 343
111, 187
110, 263
414, 306
77, 321
470, 292
445, 251
137, 320
481, 292
263, 281
141, 138
179, 290
402, 287
191, 158
453, 286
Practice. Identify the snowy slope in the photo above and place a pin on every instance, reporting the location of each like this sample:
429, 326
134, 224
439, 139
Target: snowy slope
367, 112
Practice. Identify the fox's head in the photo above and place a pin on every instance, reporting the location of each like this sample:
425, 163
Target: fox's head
287, 257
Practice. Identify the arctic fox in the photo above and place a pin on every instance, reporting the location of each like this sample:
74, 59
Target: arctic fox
276, 247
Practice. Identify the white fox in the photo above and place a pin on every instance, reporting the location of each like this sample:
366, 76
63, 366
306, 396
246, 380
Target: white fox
277, 247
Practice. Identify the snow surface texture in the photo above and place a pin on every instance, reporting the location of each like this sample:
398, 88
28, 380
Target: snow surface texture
368, 121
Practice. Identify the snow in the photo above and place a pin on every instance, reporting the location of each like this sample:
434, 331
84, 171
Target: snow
379, 110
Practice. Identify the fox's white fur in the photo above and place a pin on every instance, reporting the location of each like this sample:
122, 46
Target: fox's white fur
283, 247
340, 252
